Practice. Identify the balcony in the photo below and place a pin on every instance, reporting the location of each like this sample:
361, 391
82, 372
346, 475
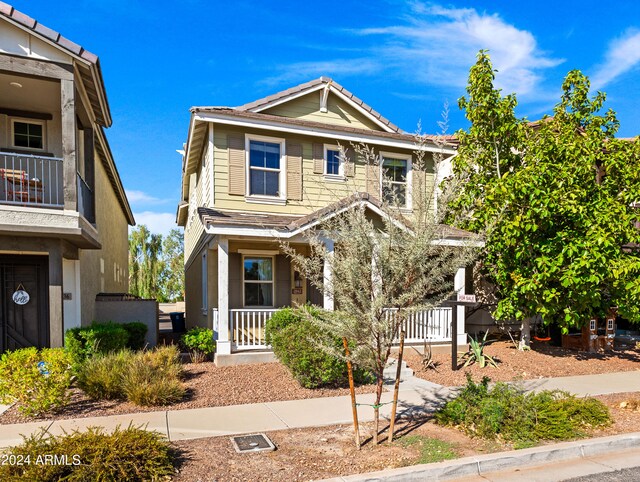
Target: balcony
30, 180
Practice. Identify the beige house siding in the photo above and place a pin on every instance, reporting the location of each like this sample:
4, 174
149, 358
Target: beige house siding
201, 194
338, 113
106, 269
317, 193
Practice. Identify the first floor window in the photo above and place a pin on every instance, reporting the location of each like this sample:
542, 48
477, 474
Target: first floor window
258, 281
264, 168
28, 134
394, 181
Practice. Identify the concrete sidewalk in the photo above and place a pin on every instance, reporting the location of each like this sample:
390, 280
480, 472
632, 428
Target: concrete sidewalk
416, 396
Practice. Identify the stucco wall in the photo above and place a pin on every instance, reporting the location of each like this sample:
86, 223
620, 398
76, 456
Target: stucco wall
106, 269
144, 311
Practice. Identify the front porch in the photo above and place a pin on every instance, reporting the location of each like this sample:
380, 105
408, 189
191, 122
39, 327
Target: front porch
246, 328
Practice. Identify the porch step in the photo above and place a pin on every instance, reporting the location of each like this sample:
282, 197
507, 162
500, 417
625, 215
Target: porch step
392, 367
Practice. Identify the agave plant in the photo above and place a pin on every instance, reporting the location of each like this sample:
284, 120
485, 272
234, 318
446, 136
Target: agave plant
476, 353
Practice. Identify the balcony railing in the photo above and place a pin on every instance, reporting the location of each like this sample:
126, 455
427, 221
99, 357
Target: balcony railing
30, 180
85, 200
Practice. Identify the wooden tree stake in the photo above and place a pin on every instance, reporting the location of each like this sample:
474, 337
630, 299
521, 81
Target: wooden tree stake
396, 388
356, 426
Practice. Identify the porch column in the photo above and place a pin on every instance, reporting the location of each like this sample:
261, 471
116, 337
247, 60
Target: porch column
327, 274
459, 286
70, 168
223, 346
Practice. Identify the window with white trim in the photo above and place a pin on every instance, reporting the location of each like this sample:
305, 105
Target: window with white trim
28, 134
265, 167
258, 280
395, 179
333, 162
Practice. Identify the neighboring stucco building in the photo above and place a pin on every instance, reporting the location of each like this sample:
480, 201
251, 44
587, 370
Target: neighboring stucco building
269, 170
64, 215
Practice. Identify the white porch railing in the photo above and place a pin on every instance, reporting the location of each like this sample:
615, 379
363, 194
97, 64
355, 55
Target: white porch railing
247, 328
431, 325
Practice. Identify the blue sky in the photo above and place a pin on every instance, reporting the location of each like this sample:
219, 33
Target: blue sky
404, 58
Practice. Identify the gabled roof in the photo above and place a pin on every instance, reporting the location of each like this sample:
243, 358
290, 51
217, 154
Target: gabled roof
315, 85
91, 73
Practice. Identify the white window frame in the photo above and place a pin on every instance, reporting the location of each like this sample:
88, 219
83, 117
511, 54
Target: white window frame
205, 284
333, 177
259, 254
282, 174
404, 157
29, 121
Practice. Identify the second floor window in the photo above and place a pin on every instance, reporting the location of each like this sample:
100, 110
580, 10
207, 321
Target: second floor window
264, 168
394, 181
28, 135
333, 162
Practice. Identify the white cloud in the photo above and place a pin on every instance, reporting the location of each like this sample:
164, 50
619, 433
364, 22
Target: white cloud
141, 197
437, 45
159, 223
622, 55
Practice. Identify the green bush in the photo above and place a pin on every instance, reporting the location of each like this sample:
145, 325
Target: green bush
39, 380
144, 378
137, 332
508, 413
101, 376
85, 342
295, 341
130, 454
199, 342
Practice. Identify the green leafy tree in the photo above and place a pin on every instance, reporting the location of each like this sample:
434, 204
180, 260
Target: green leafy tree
172, 277
556, 199
145, 263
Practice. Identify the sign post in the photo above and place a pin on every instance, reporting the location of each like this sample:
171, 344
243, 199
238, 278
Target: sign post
461, 300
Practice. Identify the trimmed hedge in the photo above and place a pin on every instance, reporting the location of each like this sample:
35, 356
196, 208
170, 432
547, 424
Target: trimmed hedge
130, 454
87, 341
295, 340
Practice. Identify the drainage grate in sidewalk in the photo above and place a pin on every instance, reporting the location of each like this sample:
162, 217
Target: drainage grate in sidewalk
257, 442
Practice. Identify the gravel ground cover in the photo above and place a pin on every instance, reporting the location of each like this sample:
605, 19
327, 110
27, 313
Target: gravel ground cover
318, 453
539, 362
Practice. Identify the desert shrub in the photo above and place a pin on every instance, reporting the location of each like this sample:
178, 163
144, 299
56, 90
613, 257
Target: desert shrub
508, 413
101, 376
199, 342
137, 332
38, 379
145, 378
295, 342
85, 342
130, 454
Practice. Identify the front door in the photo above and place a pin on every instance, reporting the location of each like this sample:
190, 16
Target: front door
24, 325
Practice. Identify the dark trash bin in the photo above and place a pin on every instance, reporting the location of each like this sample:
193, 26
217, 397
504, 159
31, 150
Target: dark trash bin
177, 322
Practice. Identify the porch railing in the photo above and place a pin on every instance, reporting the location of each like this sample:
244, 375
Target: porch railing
247, 326
31, 180
433, 325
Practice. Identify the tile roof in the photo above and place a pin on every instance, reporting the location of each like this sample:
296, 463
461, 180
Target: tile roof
288, 224
256, 105
24, 20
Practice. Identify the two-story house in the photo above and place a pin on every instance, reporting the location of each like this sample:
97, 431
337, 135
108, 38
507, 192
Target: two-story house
64, 214
268, 171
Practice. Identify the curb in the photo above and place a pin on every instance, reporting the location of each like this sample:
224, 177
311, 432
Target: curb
479, 465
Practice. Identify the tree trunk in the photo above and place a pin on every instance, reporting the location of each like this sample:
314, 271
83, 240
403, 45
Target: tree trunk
376, 408
396, 388
525, 335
